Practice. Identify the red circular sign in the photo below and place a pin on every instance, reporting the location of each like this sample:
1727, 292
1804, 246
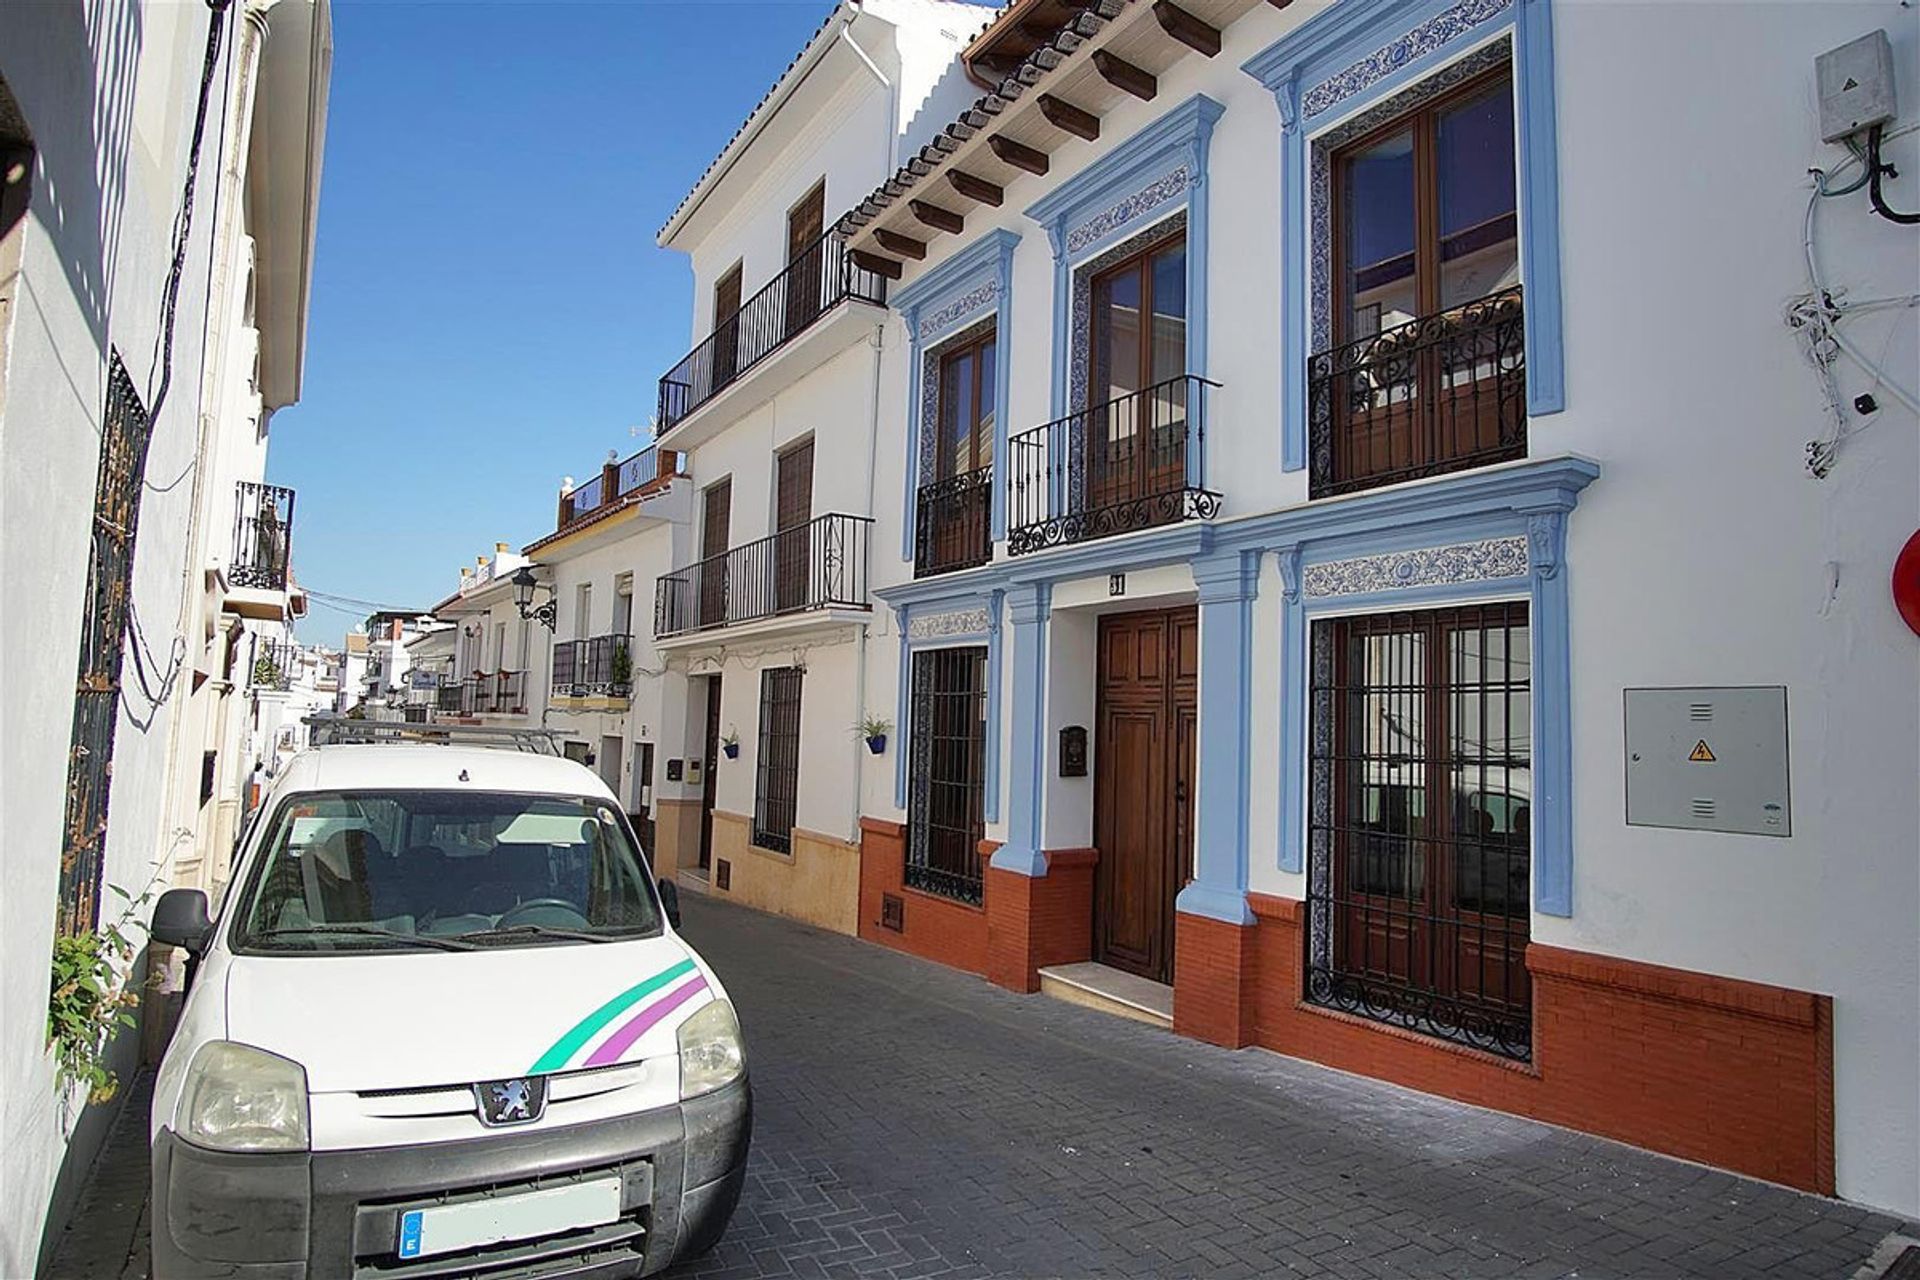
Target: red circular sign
1906, 583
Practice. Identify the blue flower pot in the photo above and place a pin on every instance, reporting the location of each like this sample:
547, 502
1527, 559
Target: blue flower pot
732, 749
877, 743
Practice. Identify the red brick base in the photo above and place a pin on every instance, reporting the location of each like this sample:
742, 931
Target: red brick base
1036, 921
932, 927
1730, 1073
1212, 980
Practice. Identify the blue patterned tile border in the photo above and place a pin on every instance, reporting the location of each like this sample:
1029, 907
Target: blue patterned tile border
983, 295
1167, 187
941, 626
1443, 28
1485, 560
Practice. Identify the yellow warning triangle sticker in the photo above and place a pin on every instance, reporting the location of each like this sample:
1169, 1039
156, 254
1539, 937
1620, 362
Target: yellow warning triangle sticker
1701, 753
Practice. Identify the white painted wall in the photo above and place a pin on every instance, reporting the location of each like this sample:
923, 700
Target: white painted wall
1704, 554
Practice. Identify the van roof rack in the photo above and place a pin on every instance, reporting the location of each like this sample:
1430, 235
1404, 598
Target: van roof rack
336, 730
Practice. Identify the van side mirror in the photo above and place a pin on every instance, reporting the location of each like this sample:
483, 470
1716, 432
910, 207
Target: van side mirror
180, 920
670, 901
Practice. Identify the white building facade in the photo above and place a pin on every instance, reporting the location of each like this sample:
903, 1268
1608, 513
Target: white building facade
145, 341
1347, 524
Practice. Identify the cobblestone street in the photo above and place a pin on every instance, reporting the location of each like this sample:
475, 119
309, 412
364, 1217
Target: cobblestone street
912, 1121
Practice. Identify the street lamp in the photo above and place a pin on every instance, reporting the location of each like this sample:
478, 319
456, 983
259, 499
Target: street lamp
523, 585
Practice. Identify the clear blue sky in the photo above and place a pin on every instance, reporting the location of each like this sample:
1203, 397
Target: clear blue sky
490, 312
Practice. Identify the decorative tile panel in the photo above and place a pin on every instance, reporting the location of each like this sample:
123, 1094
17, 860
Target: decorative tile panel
1441, 29
983, 295
1150, 197
939, 626
1486, 560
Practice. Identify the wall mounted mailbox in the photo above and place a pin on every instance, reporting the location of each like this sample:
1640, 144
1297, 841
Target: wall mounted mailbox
1073, 751
673, 770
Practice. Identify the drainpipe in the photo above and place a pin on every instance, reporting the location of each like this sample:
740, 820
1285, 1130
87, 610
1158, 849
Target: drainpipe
877, 342
893, 98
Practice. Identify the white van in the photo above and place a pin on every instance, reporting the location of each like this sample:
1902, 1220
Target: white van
442, 1025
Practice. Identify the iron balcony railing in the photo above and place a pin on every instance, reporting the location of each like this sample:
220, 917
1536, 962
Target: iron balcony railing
262, 536
615, 481
596, 665
450, 697
509, 691
821, 564
1442, 393
953, 523
274, 662
1128, 464
819, 278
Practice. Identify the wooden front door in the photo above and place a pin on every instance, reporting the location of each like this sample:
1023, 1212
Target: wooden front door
792, 510
726, 327
806, 259
1136, 419
709, 770
1143, 785
712, 584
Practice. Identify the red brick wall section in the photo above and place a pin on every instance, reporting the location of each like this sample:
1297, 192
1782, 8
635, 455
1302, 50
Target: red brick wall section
1730, 1073
1212, 980
1033, 922
933, 928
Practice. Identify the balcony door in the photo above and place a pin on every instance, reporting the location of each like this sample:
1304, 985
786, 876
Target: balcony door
793, 509
806, 223
1425, 236
1136, 421
958, 501
726, 327
716, 510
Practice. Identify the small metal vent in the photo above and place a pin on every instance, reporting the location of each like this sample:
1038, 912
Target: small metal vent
893, 912
1703, 808
1700, 711
722, 874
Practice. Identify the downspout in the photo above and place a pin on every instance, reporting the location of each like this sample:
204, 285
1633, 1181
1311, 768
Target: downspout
893, 98
878, 343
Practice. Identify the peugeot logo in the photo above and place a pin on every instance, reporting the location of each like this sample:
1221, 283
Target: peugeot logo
509, 1102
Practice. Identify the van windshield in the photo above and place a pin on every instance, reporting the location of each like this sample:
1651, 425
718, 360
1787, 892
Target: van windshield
405, 870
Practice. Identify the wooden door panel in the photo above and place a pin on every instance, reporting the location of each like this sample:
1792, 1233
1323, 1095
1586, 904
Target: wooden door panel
793, 506
712, 586
1129, 833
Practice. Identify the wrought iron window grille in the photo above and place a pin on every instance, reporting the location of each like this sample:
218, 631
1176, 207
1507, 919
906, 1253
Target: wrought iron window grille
946, 773
776, 791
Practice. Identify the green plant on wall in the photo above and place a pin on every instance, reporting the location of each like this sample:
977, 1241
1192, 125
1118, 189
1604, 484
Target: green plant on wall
622, 665
266, 672
92, 998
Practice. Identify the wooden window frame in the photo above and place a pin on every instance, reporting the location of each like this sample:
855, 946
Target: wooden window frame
1139, 261
944, 464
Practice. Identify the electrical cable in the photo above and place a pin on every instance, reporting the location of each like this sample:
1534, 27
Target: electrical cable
1874, 170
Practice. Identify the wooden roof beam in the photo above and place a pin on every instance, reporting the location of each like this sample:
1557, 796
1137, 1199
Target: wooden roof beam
1062, 114
1187, 29
1123, 75
874, 263
975, 188
932, 215
905, 246
1017, 155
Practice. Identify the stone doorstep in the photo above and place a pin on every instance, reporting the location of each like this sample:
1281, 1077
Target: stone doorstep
693, 880
1097, 986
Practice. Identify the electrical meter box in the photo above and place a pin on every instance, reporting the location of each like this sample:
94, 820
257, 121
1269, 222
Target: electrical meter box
1708, 759
1855, 83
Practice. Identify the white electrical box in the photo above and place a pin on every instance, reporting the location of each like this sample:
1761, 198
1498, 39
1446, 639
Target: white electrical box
1708, 759
1855, 83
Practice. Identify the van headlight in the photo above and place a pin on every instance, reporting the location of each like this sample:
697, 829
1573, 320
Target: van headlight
239, 1098
710, 1051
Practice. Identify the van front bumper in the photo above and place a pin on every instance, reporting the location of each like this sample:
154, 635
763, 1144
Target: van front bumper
296, 1215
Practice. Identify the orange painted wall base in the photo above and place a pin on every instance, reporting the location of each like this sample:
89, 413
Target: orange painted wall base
931, 927
1036, 921
1730, 1073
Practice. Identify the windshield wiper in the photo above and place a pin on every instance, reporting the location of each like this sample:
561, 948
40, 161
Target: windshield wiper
368, 931
547, 931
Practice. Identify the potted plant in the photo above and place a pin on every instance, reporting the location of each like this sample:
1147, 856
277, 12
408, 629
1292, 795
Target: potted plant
622, 672
731, 744
875, 731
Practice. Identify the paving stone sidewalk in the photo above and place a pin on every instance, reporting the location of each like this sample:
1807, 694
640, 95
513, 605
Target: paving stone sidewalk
914, 1122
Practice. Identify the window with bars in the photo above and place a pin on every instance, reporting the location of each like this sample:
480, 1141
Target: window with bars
777, 781
1420, 826
947, 772
108, 602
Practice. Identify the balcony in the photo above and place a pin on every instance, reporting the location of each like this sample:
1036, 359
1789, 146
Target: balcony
600, 666
953, 523
1128, 464
274, 662
454, 697
816, 281
1442, 393
257, 571
616, 480
814, 567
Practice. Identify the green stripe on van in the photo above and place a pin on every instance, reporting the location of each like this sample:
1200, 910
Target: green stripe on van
584, 1030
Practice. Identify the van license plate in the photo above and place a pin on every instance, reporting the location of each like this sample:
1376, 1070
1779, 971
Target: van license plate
475, 1223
